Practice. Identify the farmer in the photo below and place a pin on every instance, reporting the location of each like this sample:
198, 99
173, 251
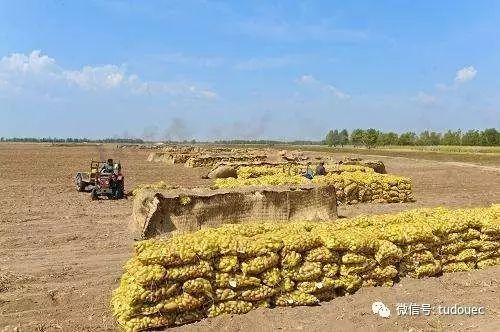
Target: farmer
308, 174
108, 167
320, 169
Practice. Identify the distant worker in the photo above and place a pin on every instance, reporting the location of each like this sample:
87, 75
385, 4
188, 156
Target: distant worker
320, 169
117, 168
108, 167
309, 173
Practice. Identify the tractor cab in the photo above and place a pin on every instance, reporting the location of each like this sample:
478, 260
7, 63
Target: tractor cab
101, 183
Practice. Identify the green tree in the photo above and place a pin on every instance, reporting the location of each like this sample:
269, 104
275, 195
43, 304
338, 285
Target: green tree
329, 138
357, 136
471, 138
408, 138
392, 138
370, 137
434, 138
344, 137
382, 139
336, 138
490, 137
389, 138
451, 138
424, 138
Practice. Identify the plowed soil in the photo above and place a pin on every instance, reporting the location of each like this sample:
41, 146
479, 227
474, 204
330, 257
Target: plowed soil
61, 254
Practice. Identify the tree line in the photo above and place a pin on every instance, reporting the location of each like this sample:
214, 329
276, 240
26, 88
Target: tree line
71, 140
358, 137
267, 142
372, 137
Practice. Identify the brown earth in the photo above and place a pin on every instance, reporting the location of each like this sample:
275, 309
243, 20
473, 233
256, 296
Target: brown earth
61, 254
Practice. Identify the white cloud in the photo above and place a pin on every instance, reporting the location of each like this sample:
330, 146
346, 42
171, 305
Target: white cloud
297, 31
208, 94
442, 86
312, 81
174, 89
337, 93
306, 79
190, 60
425, 98
107, 77
264, 63
202, 93
20, 71
32, 63
465, 74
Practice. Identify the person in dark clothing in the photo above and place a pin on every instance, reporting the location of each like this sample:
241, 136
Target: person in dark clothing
108, 167
320, 169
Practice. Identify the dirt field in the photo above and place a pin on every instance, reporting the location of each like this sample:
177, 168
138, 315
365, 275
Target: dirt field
61, 254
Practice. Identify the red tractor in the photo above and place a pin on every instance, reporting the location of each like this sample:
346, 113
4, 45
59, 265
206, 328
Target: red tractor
102, 181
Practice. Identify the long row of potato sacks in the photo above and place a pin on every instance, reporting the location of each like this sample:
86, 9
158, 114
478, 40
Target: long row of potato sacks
246, 172
236, 268
211, 160
352, 186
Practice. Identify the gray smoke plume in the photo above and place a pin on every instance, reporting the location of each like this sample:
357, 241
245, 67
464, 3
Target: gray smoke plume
150, 133
247, 129
177, 130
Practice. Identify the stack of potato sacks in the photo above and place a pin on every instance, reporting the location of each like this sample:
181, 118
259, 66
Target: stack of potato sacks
355, 187
353, 184
247, 172
236, 268
211, 160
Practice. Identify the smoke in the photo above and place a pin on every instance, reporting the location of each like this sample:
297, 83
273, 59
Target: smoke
178, 130
246, 129
150, 133
308, 126
126, 134
101, 152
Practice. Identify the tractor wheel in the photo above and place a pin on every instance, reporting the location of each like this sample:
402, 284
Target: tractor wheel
93, 195
80, 185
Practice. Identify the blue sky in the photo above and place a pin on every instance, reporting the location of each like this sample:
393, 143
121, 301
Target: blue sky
246, 69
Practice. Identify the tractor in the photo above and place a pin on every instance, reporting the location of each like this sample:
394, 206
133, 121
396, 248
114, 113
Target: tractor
101, 183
